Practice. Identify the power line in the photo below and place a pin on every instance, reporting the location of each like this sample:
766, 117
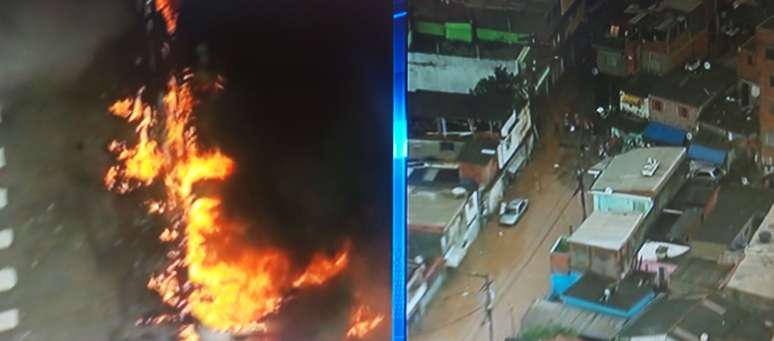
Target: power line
448, 323
515, 275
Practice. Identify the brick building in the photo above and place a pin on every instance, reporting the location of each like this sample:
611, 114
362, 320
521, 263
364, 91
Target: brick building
747, 73
755, 64
656, 40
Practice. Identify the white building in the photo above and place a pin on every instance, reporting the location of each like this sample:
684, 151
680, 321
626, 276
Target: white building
452, 74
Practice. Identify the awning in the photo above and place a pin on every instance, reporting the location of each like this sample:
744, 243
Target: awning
648, 250
663, 133
712, 155
631, 100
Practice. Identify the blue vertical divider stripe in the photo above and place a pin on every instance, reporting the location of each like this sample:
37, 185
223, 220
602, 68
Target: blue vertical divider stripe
399, 171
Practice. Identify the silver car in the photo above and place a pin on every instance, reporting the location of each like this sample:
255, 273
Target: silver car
511, 213
707, 174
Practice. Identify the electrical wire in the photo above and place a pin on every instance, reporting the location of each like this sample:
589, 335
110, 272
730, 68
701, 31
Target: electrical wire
425, 331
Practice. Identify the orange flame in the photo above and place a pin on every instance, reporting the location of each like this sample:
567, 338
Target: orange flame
144, 161
322, 268
214, 274
188, 333
169, 13
362, 322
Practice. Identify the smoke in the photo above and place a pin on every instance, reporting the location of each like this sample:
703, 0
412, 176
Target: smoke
54, 39
310, 140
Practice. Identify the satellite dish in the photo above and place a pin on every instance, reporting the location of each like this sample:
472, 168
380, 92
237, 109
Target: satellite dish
608, 190
707, 65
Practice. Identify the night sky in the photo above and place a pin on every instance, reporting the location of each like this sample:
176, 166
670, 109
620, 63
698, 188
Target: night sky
306, 114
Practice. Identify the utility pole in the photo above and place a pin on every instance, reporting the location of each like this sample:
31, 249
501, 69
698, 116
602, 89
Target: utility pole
489, 295
582, 192
580, 172
513, 324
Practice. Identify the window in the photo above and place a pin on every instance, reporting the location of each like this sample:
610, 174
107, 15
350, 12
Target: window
640, 206
614, 30
771, 81
657, 105
749, 60
771, 109
770, 53
683, 111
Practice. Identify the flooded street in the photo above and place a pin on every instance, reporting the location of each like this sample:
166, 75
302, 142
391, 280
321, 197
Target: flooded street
517, 257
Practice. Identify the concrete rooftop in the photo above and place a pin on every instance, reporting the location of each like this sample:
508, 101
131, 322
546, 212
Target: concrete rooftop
430, 207
754, 274
606, 230
624, 172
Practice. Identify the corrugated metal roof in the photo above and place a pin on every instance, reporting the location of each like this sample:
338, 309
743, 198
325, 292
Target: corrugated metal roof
586, 323
687, 319
736, 206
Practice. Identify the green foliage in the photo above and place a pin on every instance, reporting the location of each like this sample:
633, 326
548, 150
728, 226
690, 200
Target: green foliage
501, 83
543, 333
563, 246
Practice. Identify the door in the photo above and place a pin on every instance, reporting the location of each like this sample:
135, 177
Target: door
745, 95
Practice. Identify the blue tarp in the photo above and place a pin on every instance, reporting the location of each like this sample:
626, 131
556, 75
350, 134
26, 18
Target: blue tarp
598, 307
703, 153
663, 133
560, 282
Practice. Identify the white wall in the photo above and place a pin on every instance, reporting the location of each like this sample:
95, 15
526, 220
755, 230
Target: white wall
515, 137
662, 337
642, 111
462, 232
495, 195
432, 72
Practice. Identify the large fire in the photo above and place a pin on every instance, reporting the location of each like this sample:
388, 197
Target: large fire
214, 273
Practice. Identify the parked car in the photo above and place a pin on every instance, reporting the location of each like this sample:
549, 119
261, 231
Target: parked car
511, 213
707, 174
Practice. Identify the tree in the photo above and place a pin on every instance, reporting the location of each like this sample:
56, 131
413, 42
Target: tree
504, 84
501, 83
